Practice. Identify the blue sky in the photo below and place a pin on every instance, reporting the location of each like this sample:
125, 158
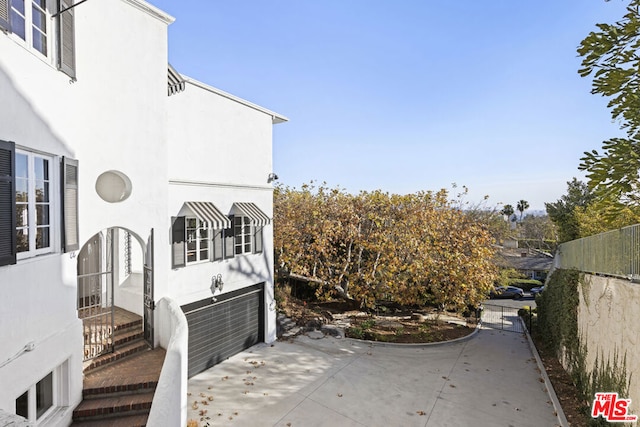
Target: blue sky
409, 95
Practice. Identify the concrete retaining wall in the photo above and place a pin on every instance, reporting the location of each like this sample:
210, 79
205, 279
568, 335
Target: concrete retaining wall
608, 321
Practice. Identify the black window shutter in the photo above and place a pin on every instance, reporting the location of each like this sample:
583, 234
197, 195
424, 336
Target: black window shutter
7, 203
5, 12
70, 240
178, 258
217, 245
229, 241
257, 240
66, 39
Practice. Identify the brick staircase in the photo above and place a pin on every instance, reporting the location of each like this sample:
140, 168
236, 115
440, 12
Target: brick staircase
118, 387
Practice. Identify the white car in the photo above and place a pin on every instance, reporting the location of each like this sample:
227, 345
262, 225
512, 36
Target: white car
536, 291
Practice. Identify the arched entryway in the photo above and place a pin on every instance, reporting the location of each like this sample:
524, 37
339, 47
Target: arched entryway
115, 280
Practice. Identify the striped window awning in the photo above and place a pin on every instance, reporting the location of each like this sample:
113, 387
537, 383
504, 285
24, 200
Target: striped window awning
257, 217
207, 211
175, 82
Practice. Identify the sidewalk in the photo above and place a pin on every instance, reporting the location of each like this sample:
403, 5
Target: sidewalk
490, 379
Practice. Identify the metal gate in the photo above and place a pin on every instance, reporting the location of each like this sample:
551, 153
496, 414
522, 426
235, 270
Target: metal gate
95, 294
502, 318
149, 303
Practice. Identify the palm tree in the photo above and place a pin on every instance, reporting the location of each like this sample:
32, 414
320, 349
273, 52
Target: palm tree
507, 211
522, 206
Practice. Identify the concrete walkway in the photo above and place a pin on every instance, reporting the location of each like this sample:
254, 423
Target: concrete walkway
491, 379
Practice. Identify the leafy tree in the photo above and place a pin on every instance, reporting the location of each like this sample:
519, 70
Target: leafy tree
595, 219
610, 55
507, 211
412, 249
522, 206
564, 212
538, 232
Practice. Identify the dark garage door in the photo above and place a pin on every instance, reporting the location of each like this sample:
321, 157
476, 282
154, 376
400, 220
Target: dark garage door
218, 330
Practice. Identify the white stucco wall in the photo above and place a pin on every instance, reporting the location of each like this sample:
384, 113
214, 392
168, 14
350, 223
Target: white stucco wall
117, 116
112, 117
608, 321
229, 159
170, 400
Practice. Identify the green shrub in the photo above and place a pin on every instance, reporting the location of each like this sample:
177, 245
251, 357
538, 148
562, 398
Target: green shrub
355, 332
368, 324
558, 325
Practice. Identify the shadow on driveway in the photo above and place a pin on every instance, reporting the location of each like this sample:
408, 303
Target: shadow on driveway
490, 379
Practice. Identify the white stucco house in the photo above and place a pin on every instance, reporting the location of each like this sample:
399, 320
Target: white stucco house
123, 185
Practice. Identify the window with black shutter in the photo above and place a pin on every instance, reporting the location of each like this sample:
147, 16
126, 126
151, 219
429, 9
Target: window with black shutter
4, 15
7, 203
70, 205
218, 245
257, 240
66, 38
178, 234
229, 240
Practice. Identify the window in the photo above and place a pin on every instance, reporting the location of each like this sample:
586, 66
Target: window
37, 400
33, 204
30, 202
29, 21
192, 240
242, 233
197, 234
45, 400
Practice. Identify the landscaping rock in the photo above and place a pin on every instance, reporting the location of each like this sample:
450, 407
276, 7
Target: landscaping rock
315, 334
332, 330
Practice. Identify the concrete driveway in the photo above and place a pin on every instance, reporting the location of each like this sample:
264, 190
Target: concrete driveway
491, 379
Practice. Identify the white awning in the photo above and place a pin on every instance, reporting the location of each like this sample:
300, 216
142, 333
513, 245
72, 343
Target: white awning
207, 211
258, 218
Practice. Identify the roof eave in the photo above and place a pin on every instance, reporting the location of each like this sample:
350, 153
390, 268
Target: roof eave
275, 117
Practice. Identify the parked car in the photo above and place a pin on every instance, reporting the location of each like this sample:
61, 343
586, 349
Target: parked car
536, 291
506, 292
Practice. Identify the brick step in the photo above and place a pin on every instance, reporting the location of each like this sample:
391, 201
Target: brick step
117, 328
123, 388
123, 351
124, 421
137, 323
128, 335
110, 407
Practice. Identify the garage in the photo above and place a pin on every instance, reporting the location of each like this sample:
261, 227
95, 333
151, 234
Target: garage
219, 329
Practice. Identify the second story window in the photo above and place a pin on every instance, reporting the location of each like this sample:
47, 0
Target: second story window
38, 205
197, 240
29, 22
242, 233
